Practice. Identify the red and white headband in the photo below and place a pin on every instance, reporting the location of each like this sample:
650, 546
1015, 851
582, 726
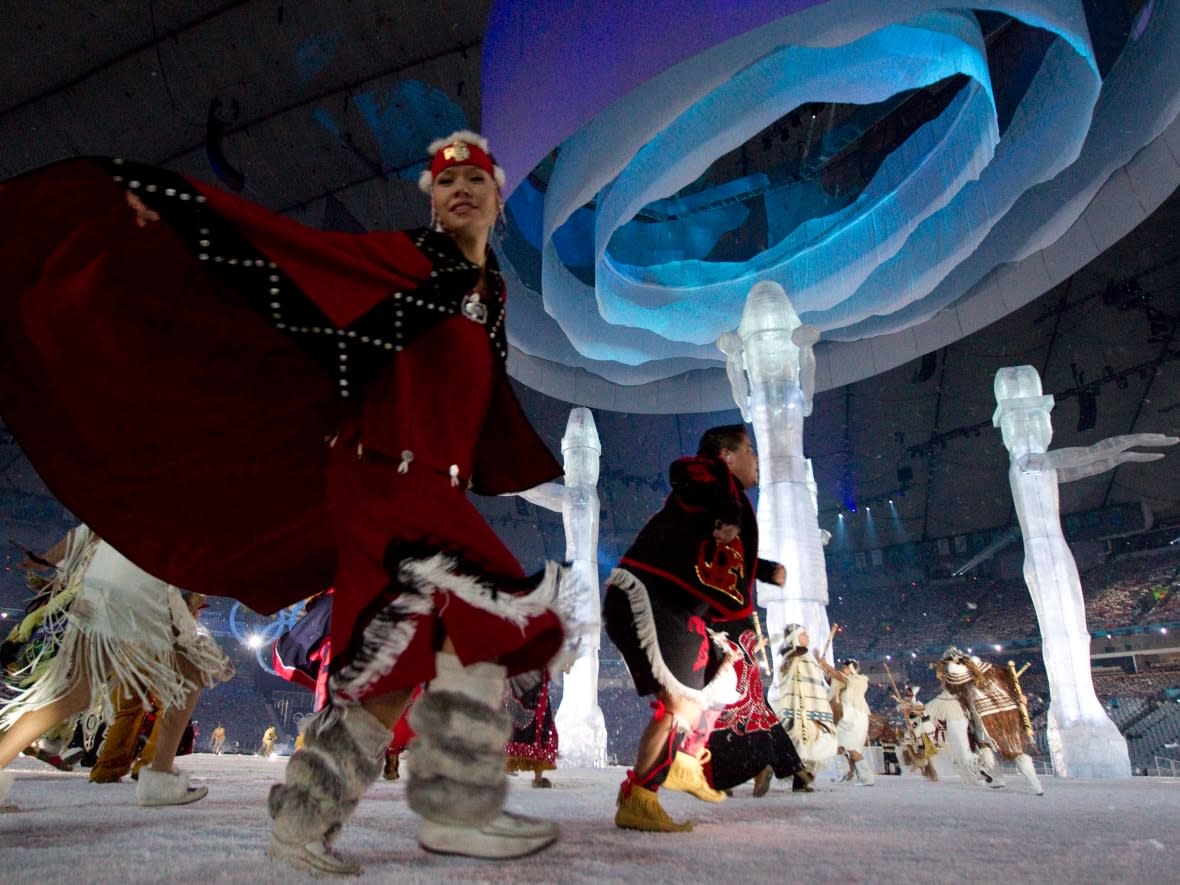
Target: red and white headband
462, 148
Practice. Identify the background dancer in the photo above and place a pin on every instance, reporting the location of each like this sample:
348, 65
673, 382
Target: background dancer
799, 695
125, 627
693, 564
747, 740
996, 715
533, 744
850, 686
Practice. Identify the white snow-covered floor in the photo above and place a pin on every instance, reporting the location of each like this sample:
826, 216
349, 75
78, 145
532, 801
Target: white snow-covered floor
58, 827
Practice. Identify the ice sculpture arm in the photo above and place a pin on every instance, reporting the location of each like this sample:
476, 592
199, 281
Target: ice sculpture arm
804, 337
1077, 462
731, 345
549, 495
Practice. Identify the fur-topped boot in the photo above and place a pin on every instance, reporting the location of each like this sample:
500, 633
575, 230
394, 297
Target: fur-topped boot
342, 755
457, 783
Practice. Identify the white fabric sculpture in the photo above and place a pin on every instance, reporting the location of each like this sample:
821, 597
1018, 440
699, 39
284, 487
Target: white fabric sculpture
581, 728
771, 368
1083, 741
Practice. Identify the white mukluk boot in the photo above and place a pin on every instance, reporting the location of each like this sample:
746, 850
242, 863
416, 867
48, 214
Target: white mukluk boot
457, 783
166, 788
343, 754
1024, 765
864, 773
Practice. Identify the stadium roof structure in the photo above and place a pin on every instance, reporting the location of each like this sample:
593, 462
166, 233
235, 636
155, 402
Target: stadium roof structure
942, 189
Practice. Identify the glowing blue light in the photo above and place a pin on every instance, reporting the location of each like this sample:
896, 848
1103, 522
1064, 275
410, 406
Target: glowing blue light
652, 101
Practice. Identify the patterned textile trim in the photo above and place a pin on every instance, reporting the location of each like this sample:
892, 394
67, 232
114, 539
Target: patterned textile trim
802, 698
556, 592
954, 679
439, 571
721, 690
383, 642
994, 694
533, 759
749, 713
387, 636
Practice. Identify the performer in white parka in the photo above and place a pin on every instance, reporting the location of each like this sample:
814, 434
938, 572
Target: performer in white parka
123, 627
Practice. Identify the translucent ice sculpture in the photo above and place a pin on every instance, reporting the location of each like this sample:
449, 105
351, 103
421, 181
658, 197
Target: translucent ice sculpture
580, 725
1082, 739
771, 366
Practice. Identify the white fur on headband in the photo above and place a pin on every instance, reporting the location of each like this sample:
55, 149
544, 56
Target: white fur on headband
461, 135
426, 179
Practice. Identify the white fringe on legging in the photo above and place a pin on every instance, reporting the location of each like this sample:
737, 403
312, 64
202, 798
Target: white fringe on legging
124, 627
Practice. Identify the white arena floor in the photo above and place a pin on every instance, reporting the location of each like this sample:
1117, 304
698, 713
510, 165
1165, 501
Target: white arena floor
57, 827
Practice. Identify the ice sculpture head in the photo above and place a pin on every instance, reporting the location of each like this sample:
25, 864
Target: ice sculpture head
766, 329
580, 448
1022, 411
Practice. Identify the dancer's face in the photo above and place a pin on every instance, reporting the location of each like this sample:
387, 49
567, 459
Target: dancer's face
743, 463
466, 201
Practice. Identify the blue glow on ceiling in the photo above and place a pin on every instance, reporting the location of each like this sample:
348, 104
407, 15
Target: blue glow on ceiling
637, 228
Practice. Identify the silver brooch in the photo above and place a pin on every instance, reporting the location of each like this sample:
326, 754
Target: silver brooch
474, 309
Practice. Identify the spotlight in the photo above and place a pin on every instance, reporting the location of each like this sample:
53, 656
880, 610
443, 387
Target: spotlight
254, 640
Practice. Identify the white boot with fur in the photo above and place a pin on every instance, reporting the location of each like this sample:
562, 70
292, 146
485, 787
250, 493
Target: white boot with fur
343, 754
457, 782
166, 788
